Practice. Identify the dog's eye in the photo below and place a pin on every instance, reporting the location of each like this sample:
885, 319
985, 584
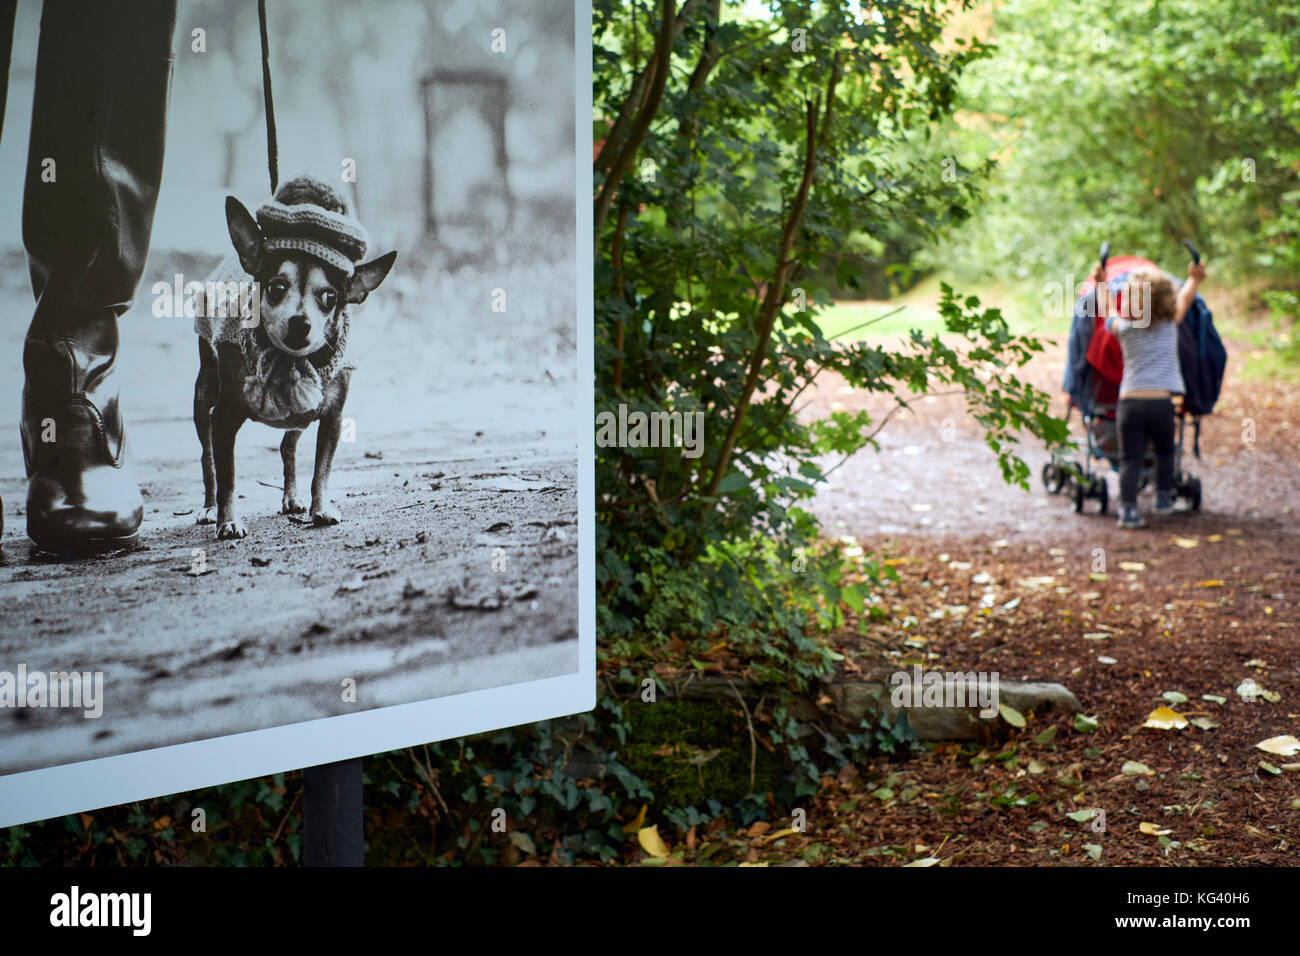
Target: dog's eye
328, 299
276, 290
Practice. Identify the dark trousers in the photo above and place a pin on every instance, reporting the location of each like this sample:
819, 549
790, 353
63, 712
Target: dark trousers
1141, 420
103, 75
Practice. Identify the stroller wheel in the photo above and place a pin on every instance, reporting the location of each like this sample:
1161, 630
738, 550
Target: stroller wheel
1103, 493
1053, 478
1194, 493
1080, 492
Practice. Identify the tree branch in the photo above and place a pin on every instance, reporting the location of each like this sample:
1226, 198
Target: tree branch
772, 300
660, 62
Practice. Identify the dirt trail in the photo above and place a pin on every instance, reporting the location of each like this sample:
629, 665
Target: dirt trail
997, 579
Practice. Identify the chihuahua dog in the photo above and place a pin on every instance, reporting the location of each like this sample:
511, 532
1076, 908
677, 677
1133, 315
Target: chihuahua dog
278, 356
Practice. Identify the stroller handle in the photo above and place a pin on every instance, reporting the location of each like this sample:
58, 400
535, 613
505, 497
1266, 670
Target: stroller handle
1104, 254
1191, 249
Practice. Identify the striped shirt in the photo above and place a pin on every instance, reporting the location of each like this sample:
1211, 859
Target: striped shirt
1150, 355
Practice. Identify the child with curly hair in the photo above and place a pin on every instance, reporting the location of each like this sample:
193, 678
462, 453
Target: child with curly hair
1147, 330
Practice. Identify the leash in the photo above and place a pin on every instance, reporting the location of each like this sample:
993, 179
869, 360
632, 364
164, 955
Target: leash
272, 150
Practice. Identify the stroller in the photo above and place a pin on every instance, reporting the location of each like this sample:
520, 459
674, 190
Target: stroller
1094, 367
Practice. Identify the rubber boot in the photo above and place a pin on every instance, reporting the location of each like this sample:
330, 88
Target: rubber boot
103, 75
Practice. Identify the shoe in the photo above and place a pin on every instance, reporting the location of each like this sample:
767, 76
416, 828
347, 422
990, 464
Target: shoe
1129, 517
82, 497
1165, 503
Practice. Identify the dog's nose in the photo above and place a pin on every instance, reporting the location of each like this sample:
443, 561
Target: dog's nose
299, 327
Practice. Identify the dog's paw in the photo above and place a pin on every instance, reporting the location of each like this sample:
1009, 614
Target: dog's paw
325, 514
207, 516
231, 529
291, 506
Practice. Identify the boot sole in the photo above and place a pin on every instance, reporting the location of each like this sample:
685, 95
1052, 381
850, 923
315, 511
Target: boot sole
86, 547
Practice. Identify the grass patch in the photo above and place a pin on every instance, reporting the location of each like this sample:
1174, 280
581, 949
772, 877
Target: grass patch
918, 308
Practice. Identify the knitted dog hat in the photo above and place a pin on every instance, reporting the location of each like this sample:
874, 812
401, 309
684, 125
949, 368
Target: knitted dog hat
333, 238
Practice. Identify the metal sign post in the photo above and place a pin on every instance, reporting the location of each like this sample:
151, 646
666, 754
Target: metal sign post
333, 830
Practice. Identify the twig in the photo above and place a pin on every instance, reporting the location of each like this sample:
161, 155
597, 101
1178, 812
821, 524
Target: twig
285, 818
753, 740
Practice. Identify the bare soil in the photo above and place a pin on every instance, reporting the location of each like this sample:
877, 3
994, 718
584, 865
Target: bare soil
994, 578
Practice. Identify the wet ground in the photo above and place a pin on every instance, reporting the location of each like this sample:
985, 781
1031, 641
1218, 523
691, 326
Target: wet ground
454, 567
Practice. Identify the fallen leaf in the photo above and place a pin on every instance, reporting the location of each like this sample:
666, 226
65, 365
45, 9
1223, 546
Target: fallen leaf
652, 842
1152, 829
635, 824
773, 837
1205, 723
524, 842
1136, 768
1132, 566
1011, 715
1164, 718
924, 861
1284, 746
1214, 583
1186, 542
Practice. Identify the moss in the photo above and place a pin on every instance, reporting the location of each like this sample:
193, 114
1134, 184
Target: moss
696, 751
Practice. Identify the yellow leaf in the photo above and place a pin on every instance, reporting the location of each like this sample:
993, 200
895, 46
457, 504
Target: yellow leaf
1165, 718
1284, 746
788, 831
1012, 716
162, 823
1132, 566
635, 824
651, 841
1214, 538
1213, 583
1186, 542
924, 861
753, 864
1152, 829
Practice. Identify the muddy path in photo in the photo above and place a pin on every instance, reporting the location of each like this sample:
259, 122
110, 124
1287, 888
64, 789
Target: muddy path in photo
454, 567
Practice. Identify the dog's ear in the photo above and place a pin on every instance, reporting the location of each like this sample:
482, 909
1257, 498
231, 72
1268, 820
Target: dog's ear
245, 234
368, 276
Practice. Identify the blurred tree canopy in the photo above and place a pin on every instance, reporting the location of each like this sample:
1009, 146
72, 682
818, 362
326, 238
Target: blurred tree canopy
735, 153
1140, 121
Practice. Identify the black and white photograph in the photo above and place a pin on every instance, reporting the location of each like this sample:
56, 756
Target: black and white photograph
292, 335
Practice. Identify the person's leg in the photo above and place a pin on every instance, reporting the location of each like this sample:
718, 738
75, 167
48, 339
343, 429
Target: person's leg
1132, 446
103, 74
1162, 430
8, 12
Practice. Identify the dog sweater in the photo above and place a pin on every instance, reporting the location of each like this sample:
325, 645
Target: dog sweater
276, 386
